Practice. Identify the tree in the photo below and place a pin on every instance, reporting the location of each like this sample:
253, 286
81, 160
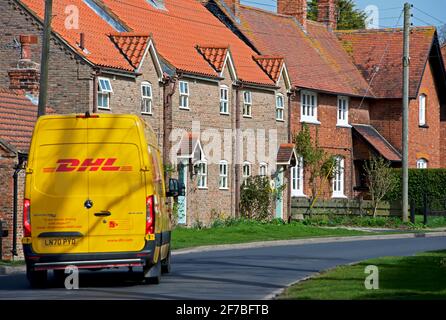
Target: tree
256, 198
348, 15
318, 164
380, 180
442, 34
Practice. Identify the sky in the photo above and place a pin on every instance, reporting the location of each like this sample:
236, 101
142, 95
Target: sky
425, 12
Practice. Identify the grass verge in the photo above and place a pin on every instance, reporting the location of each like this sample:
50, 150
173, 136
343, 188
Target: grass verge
417, 277
251, 231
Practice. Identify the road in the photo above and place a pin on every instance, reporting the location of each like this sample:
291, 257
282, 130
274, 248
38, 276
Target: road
236, 274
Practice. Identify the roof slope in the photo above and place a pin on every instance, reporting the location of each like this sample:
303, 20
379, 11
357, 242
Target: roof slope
382, 50
17, 118
315, 60
177, 31
443, 52
378, 142
132, 46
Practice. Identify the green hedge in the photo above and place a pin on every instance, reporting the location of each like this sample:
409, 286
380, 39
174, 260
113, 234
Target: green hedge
429, 181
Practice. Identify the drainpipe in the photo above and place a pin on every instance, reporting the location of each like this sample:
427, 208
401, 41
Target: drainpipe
95, 91
290, 139
170, 87
238, 88
22, 158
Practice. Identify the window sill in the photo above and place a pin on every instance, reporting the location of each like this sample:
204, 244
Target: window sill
343, 125
103, 108
299, 196
247, 117
280, 120
423, 126
310, 121
225, 114
147, 113
339, 196
202, 188
223, 189
185, 108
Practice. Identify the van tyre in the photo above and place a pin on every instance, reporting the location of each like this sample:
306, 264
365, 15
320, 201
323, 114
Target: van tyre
166, 265
153, 274
37, 279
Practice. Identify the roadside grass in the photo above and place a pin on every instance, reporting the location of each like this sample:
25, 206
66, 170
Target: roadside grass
11, 263
250, 231
419, 277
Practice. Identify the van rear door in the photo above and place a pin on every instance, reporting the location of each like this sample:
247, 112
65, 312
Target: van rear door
57, 188
117, 188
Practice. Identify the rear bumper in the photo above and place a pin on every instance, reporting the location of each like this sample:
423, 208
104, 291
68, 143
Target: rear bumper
37, 262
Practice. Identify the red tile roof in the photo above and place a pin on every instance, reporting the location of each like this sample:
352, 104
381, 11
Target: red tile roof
378, 142
378, 54
17, 118
272, 65
176, 31
214, 55
131, 45
315, 60
286, 154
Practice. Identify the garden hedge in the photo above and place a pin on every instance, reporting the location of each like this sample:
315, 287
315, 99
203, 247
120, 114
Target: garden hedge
431, 182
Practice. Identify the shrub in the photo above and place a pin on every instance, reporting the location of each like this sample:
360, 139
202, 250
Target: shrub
256, 198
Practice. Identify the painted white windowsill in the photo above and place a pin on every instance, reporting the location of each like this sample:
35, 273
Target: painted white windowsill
299, 195
248, 117
280, 120
202, 188
184, 108
339, 196
224, 189
104, 108
343, 125
310, 121
147, 113
225, 113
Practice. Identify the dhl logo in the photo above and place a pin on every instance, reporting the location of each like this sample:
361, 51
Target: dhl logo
76, 165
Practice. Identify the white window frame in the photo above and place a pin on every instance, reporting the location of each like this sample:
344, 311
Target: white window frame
298, 178
247, 165
342, 111
223, 181
105, 90
202, 174
308, 111
263, 165
247, 104
280, 108
146, 99
422, 109
339, 178
224, 99
422, 163
184, 89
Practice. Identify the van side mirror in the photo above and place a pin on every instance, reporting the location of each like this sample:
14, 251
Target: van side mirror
173, 190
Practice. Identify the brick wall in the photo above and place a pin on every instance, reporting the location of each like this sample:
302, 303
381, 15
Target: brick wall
424, 142
334, 139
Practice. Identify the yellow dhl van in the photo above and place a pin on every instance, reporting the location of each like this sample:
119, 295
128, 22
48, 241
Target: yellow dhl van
95, 197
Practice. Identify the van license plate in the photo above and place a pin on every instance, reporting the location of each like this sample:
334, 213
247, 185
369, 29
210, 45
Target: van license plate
64, 242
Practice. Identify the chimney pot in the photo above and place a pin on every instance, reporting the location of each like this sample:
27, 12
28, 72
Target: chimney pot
26, 41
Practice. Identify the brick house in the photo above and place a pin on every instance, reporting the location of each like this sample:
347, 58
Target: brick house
173, 72
352, 114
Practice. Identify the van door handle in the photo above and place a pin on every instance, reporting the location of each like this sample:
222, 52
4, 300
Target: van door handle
103, 214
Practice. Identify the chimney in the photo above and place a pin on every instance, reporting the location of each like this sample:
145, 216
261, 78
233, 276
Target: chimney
26, 75
327, 13
295, 8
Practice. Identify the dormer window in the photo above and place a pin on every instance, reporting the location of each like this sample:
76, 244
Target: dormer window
158, 4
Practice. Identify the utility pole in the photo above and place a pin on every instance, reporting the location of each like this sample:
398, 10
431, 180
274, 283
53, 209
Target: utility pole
405, 135
43, 91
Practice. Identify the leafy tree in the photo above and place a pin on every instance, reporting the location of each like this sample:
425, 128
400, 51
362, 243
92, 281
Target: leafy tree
318, 164
348, 15
381, 180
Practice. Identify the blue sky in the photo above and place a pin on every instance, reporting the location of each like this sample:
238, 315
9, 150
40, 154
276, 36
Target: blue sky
389, 10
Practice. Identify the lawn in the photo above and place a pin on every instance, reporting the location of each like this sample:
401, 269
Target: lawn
250, 231
417, 277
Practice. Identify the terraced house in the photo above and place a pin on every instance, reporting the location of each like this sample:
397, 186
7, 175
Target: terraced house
196, 83
347, 87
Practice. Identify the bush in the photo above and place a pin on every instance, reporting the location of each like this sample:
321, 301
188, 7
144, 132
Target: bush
256, 198
427, 181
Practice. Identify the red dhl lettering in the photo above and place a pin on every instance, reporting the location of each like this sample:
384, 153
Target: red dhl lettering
76, 165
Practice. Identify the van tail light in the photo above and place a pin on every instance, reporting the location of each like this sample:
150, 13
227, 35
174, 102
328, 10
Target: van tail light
150, 218
26, 218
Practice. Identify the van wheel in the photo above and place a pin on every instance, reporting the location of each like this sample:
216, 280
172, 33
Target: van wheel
37, 279
152, 274
166, 266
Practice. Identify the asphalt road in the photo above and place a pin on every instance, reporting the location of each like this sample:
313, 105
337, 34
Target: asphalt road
235, 274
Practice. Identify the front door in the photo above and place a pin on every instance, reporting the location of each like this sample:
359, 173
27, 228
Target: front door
182, 200
279, 193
